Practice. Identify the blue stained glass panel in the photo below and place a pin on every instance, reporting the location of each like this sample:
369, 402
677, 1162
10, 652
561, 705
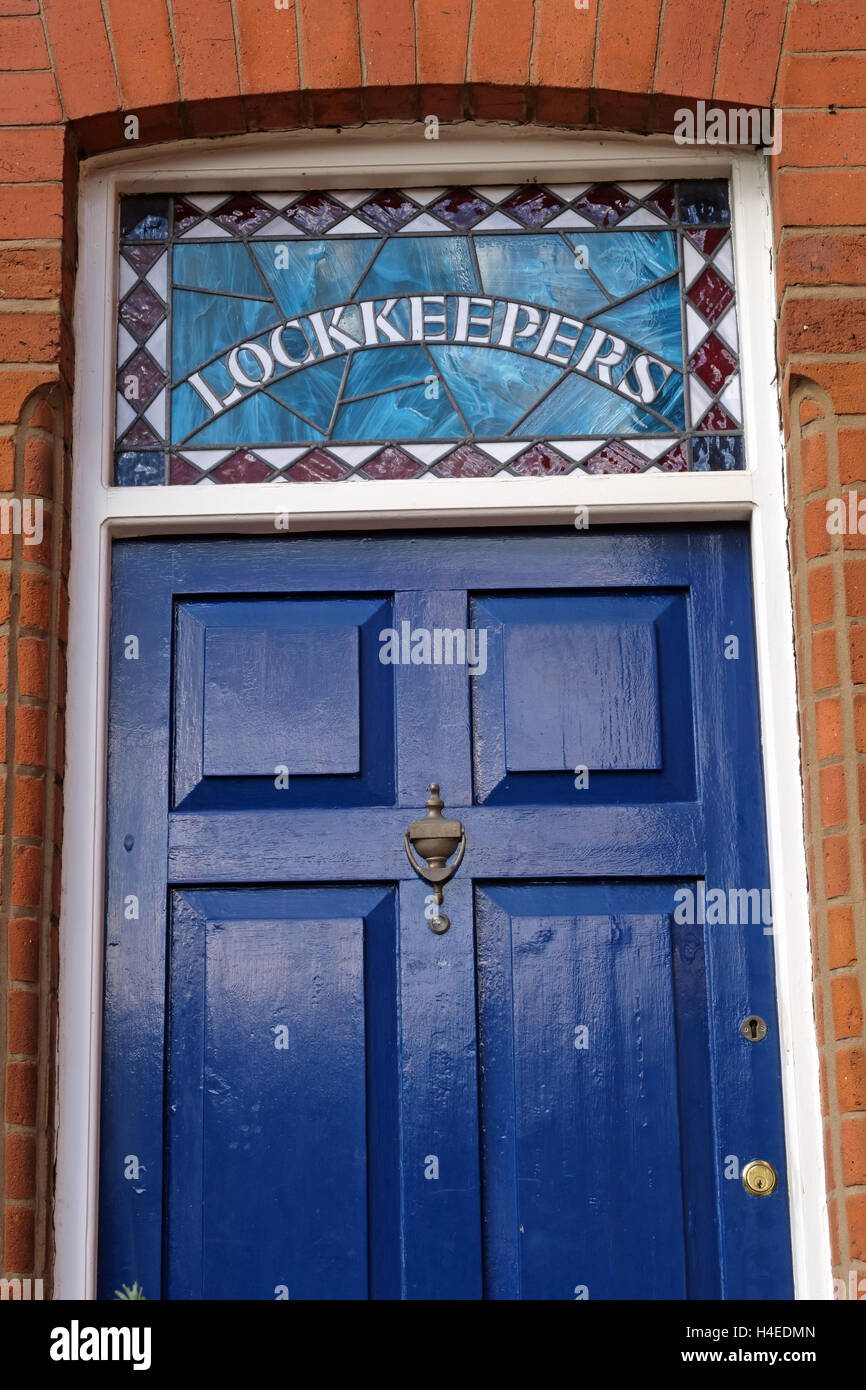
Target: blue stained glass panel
493, 401
654, 316
547, 321
418, 412
222, 267
309, 275
405, 264
199, 320
713, 453
376, 371
539, 268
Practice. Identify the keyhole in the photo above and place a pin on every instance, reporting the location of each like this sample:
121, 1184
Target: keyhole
753, 1028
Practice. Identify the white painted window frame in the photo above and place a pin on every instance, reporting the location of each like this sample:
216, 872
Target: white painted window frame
384, 156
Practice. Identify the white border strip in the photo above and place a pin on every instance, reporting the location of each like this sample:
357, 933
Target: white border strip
377, 157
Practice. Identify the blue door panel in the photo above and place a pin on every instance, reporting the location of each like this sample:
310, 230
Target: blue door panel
268, 1041
308, 1094
584, 680
262, 685
583, 1074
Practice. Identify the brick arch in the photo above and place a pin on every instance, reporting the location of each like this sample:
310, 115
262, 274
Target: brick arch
187, 69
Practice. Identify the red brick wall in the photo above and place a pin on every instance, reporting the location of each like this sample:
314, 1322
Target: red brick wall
69, 72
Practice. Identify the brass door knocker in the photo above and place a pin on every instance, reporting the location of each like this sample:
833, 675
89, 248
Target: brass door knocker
436, 839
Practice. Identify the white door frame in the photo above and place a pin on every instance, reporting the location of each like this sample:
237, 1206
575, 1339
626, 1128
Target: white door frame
384, 156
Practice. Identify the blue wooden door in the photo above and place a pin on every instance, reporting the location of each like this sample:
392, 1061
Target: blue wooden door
310, 1095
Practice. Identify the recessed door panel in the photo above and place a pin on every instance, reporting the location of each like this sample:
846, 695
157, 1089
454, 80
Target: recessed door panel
282, 1037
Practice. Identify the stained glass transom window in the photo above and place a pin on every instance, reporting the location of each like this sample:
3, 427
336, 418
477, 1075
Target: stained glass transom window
450, 332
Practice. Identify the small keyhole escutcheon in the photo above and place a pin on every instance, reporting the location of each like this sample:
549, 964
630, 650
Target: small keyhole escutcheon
753, 1028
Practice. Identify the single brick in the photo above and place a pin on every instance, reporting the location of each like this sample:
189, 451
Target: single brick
688, 51
388, 42
19, 1252
21, 1090
855, 587
24, 950
817, 536
22, 44
501, 37
828, 728
35, 611
840, 934
852, 447
82, 57
749, 51
22, 1022
821, 594
825, 670
855, 1210
847, 1006
857, 653
834, 809
33, 667
809, 79
819, 198
851, 1078
20, 1166
30, 736
143, 51
813, 461
837, 867
626, 53
29, 808
443, 48
26, 876
853, 1134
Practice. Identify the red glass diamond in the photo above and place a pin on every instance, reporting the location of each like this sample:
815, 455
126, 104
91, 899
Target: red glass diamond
388, 210
242, 467
674, 461
185, 215
314, 212
391, 463
707, 238
243, 214
316, 467
141, 255
141, 436
141, 311
664, 201
460, 207
615, 458
717, 419
711, 294
147, 376
605, 204
532, 206
182, 472
541, 461
465, 462
713, 363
